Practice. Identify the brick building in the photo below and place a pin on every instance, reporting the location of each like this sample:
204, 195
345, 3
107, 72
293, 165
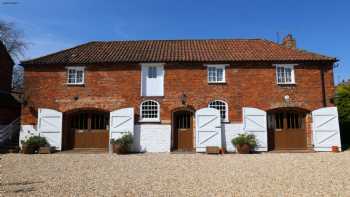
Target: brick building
162, 91
10, 108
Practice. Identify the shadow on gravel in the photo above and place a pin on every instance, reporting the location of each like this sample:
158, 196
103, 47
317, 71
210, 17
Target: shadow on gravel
20, 187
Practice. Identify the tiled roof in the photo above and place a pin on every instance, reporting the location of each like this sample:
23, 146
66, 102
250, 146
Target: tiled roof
178, 51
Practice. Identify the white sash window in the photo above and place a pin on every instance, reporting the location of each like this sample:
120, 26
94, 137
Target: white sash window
285, 74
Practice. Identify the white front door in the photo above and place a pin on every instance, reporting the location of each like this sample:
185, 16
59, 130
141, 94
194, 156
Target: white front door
208, 129
254, 122
50, 126
326, 129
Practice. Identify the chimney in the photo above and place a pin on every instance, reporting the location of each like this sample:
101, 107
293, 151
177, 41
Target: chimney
289, 42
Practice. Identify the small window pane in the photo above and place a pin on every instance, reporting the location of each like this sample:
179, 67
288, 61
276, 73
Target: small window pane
216, 74
220, 74
75, 76
152, 72
221, 106
212, 74
284, 74
149, 110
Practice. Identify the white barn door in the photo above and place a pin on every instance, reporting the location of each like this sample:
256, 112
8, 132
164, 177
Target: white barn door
121, 122
254, 122
325, 128
208, 129
50, 126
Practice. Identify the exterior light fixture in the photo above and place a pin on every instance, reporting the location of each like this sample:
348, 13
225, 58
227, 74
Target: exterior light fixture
183, 98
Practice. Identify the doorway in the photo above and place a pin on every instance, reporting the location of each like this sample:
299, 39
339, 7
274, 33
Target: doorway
88, 129
286, 129
183, 130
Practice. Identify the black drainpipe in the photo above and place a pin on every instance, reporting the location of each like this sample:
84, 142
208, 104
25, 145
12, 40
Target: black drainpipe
323, 87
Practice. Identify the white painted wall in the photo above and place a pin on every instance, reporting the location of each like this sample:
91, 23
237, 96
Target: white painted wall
152, 137
26, 131
229, 131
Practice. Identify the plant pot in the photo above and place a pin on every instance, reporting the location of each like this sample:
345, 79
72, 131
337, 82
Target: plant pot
45, 150
28, 149
243, 148
335, 149
120, 149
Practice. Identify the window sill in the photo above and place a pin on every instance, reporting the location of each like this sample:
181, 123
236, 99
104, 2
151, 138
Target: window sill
217, 83
149, 121
286, 84
75, 84
143, 96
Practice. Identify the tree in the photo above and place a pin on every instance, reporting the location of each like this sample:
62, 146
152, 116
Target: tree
342, 101
13, 40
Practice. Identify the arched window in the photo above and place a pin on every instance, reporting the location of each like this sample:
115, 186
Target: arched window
222, 107
149, 111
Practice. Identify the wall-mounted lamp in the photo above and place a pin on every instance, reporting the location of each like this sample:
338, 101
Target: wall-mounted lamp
286, 98
183, 98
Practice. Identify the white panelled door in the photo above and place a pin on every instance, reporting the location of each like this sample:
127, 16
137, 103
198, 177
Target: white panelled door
325, 128
121, 122
254, 122
208, 129
50, 126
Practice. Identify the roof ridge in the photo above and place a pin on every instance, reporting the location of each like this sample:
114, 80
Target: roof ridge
174, 40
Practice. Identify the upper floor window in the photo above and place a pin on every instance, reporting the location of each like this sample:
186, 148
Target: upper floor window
222, 107
285, 74
152, 82
216, 73
152, 72
149, 111
75, 75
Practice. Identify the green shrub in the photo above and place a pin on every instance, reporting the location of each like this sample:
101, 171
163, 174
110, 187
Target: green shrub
245, 139
126, 140
35, 141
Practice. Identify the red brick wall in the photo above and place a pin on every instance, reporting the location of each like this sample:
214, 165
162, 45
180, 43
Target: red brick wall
117, 86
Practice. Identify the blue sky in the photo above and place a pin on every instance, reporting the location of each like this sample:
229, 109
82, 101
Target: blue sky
318, 25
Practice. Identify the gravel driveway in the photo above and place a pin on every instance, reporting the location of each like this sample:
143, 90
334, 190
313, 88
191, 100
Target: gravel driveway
268, 174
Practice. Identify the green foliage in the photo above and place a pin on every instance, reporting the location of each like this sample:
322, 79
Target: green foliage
125, 140
35, 141
245, 139
342, 101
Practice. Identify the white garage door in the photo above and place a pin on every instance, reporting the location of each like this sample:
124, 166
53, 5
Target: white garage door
121, 122
50, 126
254, 122
208, 128
325, 129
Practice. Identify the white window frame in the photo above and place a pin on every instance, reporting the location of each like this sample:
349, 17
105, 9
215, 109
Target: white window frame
226, 109
217, 66
150, 119
76, 68
291, 66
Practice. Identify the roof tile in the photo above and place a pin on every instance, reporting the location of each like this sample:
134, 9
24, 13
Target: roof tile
176, 51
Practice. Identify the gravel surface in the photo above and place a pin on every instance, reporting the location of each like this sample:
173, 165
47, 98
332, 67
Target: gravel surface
267, 174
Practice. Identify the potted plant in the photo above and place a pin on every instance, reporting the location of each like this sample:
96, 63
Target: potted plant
122, 144
33, 143
27, 148
244, 143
